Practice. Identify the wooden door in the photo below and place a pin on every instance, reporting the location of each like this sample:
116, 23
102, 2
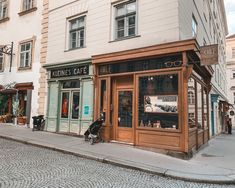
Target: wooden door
123, 113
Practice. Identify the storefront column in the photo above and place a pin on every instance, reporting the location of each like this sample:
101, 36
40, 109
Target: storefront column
28, 106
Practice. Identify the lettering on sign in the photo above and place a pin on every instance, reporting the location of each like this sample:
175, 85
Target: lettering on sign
70, 71
209, 54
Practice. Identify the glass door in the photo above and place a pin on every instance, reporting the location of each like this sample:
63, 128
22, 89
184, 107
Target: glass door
124, 111
69, 113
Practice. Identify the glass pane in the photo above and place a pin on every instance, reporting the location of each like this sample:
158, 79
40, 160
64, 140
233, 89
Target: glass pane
22, 48
158, 101
75, 105
199, 105
131, 20
131, 31
125, 109
65, 105
81, 22
28, 46
71, 84
191, 103
120, 24
22, 60
73, 24
205, 107
121, 10
73, 37
120, 34
131, 7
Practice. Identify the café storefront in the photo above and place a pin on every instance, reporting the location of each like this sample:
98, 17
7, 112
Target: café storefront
145, 95
70, 97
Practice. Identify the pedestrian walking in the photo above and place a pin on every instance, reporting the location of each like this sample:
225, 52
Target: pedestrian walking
229, 124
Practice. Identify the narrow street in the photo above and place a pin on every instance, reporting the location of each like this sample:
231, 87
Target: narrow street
26, 166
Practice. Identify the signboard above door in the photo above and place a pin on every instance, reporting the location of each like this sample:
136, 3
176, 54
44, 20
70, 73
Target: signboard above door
70, 71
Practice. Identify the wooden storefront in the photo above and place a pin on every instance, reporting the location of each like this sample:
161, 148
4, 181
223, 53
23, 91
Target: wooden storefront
145, 92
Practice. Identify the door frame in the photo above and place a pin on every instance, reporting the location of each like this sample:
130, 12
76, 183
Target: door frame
116, 128
69, 119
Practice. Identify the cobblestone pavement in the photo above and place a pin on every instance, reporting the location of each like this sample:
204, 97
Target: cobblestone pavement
27, 166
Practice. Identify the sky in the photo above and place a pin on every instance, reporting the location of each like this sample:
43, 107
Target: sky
230, 11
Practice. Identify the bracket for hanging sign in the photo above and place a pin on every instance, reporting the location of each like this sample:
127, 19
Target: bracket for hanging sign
8, 50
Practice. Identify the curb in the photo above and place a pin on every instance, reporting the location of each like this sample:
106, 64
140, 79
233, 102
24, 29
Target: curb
155, 171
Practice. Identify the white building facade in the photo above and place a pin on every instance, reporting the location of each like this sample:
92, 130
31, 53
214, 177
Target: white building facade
84, 36
230, 55
20, 25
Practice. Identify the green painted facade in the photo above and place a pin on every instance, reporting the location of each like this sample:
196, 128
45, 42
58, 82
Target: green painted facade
54, 120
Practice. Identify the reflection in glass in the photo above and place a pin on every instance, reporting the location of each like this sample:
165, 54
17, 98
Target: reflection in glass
191, 103
158, 101
75, 105
205, 107
199, 105
65, 105
125, 109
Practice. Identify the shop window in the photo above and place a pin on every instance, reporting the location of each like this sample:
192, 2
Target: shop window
25, 55
158, 101
191, 103
199, 106
125, 20
103, 97
77, 33
1, 61
3, 9
205, 107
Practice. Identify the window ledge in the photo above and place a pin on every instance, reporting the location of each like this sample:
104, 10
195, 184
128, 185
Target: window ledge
24, 68
68, 50
4, 19
125, 38
22, 13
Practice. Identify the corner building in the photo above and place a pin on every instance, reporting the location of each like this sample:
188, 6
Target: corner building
143, 58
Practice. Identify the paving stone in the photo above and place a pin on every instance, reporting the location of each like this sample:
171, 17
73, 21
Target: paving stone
25, 166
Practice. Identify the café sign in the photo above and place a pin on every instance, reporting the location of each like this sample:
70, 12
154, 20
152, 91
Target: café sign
70, 71
209, 54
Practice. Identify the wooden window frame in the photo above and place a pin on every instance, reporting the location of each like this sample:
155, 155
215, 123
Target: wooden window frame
26, 10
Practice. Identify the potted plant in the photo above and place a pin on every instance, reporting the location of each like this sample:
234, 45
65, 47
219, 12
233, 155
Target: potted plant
21, 119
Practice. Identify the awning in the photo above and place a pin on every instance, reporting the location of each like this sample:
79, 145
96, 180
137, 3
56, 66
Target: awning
16, 87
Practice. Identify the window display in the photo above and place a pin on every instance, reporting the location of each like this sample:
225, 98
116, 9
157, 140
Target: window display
158, 101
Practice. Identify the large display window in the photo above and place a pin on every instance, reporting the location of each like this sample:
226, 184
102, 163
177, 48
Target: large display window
158, 101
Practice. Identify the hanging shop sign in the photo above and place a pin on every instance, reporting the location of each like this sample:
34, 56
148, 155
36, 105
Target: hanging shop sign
70, 71
209, 54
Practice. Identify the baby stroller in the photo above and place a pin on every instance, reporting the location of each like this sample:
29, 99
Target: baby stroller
92, 134
38, 123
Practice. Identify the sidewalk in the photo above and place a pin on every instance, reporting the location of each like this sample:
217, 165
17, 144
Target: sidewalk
213, 164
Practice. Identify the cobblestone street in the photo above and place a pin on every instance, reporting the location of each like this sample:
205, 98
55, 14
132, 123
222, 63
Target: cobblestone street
27, 166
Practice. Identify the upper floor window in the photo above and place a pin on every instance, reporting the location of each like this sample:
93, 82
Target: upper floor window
77, 32
233, 98
191, 97
194, 27
125, 19
26, 55
1, 61
233, 52
3, 9
28, 4
234, 75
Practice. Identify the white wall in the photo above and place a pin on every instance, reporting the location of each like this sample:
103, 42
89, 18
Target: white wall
17, 29
157, 23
